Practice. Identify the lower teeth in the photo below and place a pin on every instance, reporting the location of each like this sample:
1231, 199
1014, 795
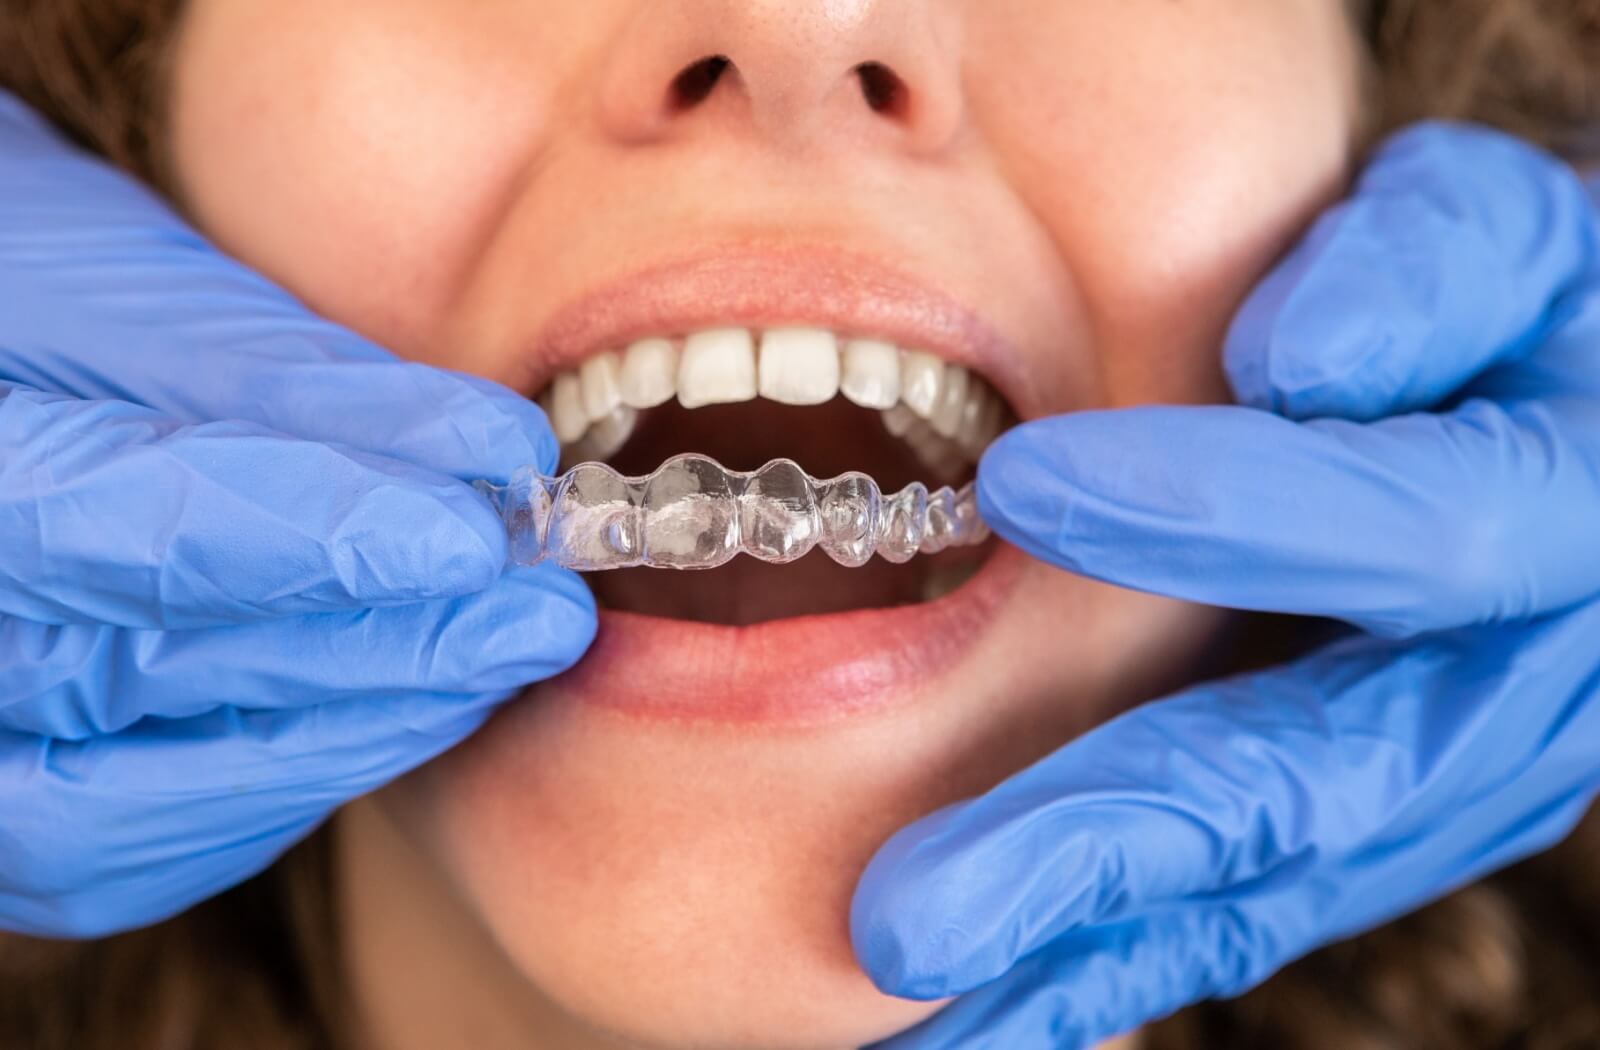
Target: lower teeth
693, 513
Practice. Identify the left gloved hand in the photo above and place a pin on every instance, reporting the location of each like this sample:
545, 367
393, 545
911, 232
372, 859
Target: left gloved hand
1192, 847
243, 578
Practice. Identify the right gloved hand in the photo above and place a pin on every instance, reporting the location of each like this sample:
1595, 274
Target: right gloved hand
242, 579
1417, 453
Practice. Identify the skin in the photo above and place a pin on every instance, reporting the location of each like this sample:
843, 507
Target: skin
1104, 179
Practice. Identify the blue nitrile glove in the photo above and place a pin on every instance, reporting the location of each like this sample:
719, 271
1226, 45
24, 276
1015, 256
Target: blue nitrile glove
241, 578
1192, 847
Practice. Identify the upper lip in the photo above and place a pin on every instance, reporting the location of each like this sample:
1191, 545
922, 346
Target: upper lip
846, 290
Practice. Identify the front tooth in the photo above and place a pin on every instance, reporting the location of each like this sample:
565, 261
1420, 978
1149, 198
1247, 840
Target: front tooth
799, 366
935, 452
939, 529
778, 516
899, 420
602, 393
649, 373
922, 440
849, 508
547, 402
871, 373
946, 418
567, 416
612, 432
969, 527
606, 437
972, 411
690, 515
525, 506
994, 413
901, 522
718, 367
593, 522
921, 379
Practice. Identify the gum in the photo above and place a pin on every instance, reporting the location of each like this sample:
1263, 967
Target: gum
694, 513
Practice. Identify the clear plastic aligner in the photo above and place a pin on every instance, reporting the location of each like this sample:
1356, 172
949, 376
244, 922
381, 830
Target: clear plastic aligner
693, 513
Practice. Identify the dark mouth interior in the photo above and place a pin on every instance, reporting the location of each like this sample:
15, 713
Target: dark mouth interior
826, 440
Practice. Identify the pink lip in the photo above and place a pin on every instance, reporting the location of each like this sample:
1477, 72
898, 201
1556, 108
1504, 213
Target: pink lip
805, 671
756, 286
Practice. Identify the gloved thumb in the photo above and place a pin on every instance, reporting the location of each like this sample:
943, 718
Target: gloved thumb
114, 514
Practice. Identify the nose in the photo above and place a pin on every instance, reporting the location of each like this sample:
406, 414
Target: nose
786, 71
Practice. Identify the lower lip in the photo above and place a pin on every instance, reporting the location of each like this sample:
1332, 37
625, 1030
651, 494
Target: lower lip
804, 671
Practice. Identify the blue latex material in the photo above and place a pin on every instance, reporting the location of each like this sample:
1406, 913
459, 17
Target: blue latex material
1416, 452
242, 578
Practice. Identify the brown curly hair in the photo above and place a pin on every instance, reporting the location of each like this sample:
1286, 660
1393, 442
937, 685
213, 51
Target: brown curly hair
1512, 963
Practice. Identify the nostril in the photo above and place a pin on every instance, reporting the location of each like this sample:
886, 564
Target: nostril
884, 91
694, 84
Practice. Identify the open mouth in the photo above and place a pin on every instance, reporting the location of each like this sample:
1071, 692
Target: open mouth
834, 404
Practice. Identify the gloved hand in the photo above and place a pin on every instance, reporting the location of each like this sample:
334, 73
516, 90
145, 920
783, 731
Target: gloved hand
241, 578
1192, 847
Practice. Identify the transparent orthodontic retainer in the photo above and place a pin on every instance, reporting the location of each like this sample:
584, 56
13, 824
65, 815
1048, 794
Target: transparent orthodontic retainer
694, 513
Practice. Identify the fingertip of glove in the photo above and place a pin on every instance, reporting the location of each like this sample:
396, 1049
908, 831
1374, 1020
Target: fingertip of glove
1247, 356
568, 613
997, 480
889, 960
934, 968
1324, 333
512, 431
551, 617
885, 912
532, 624
911, 918
1017, 475
1034, 485
456, 546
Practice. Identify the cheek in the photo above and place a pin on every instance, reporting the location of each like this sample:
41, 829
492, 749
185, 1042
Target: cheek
361, 177
1173, 151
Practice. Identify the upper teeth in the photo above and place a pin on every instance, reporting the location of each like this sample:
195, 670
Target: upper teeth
946, 413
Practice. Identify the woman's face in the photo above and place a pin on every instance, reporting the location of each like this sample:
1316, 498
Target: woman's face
1069, 197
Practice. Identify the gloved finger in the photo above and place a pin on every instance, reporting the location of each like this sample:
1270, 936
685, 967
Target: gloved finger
73, 683
1453, 254
1411, 524
94, 261
115, 514
1099, 982
120, 831
1232, 786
